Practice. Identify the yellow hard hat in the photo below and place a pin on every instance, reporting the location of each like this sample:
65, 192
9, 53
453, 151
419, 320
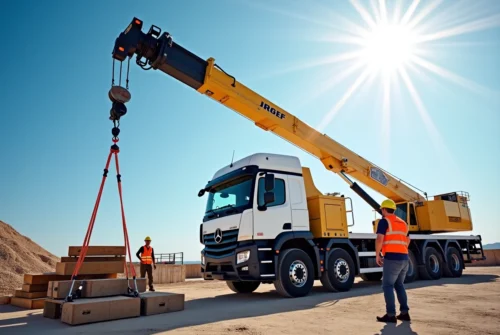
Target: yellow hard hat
388, 203
147, 238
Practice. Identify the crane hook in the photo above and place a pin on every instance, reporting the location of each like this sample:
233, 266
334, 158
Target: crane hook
118, 96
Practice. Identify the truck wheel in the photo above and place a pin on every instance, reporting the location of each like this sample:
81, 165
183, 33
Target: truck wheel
433, 268
454, 263
412, 273
243, 286
374, 276
295, 274
341, 271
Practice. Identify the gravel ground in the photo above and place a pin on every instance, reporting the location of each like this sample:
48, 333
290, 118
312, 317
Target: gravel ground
467, 305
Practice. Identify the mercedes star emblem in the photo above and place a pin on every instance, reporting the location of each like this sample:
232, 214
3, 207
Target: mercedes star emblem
218, 236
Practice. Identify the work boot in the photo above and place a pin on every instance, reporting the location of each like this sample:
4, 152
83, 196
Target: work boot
151, 289
387, 318
404, 317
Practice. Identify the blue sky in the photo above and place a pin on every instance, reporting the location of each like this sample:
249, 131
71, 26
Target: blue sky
56, 134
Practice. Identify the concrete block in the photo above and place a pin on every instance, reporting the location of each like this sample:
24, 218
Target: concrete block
52, 309
83, 311
96, 287
161, 302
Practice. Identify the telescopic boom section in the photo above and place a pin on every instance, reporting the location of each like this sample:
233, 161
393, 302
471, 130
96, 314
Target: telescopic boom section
158, 51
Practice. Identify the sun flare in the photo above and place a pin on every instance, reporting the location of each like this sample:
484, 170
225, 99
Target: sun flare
388, 47
389, 44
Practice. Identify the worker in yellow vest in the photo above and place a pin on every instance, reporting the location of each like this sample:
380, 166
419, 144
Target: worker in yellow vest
147, 257
392, 241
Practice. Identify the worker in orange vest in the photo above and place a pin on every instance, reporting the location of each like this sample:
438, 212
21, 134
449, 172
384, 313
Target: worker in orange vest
147, 257
392, 241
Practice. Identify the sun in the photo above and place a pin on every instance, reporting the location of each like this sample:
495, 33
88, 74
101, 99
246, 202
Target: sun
392, 44
388, 47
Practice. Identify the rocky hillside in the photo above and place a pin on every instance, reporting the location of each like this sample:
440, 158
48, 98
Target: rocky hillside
20, 255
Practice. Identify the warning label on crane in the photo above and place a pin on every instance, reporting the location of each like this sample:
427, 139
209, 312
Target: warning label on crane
378, 175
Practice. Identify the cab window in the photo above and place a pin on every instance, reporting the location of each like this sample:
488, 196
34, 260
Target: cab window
413, 217
401, 211
279, 192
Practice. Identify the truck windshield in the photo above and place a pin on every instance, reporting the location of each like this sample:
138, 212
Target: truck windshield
233, 193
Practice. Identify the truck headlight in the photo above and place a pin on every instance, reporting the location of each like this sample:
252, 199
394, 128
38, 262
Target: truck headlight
202, 260
242, 257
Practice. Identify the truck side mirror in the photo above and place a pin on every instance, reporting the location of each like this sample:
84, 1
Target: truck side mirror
269, 182
268, 197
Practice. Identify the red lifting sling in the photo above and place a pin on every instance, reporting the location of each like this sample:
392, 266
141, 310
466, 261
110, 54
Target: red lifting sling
114, 151
118, 96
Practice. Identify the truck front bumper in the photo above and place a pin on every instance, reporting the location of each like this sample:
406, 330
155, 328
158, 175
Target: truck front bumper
256, 268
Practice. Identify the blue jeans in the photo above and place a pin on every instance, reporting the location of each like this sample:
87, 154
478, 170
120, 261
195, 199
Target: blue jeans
394, 273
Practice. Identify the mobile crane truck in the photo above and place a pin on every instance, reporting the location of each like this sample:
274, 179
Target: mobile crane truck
265, 220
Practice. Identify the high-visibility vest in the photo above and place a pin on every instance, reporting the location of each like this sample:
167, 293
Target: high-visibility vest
146, 257
395, 239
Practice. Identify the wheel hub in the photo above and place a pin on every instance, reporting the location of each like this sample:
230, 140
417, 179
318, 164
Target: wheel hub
410, 269
434, 263
341, 270
455, 262
298, 273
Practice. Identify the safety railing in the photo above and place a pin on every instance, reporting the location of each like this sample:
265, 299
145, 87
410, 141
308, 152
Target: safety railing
170, 258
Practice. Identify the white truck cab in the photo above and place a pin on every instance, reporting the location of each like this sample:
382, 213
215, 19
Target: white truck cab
237, 198
256, 199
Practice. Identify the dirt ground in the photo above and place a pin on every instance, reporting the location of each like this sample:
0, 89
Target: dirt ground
467, 305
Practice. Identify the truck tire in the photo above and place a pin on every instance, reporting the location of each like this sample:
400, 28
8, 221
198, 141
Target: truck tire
341, 271
243, 286
295, 273
373, 276
433, 267
412, 273
454, 263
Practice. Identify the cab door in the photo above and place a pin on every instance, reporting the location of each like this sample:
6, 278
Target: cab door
275, 217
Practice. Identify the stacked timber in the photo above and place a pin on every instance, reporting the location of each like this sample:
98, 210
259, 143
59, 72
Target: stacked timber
5, 299
34, 290
98, 260
38, 286
97, 300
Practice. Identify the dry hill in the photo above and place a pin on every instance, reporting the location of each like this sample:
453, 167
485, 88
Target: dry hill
20, 255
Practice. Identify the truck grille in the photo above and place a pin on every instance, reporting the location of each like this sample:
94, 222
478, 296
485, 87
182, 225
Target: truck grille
222, 248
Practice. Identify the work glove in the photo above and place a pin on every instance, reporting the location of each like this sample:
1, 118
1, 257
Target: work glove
154, 265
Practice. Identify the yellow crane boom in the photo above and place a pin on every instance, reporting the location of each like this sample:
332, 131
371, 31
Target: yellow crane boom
158, 51
268, 116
